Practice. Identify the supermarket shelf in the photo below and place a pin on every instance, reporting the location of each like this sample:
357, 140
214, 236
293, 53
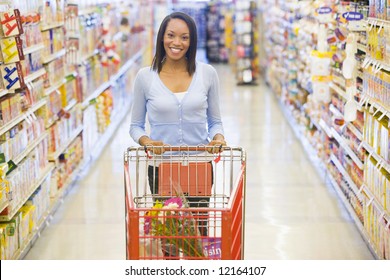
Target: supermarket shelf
378, 64
29, 148
362, 47
117, 36
87, 11
377, 157
23, 116
113, 79
21, 253
310, 151
380, 108
335, 111
53, 56
54, 87
377, 21
71, 104
355, 131
326, 128
353, 215
45, 173
73, 35
377, 203
339, 82
54, 156
360, 75
3, 205
88, 56
102, 142
33, 48
3, 92
35, 75
96, 93
350, 125
346, 176
342, 93
52, 121
127, 65
314, 122
52, 26
69, 182
339, 90
342, 143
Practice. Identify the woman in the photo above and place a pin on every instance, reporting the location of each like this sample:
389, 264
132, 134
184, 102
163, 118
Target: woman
180, 96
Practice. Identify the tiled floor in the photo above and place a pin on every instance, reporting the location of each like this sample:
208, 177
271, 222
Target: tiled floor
290, 212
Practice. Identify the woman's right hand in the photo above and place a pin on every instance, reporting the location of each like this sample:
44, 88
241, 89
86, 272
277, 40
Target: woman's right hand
156, 147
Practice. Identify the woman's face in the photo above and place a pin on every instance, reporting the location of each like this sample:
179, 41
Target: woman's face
176, 39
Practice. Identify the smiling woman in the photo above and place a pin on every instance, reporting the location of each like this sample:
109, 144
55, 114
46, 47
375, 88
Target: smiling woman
180, 97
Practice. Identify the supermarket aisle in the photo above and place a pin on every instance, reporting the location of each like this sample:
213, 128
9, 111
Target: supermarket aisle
290, 213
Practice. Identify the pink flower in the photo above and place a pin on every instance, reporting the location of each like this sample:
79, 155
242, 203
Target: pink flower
174, 201
147, 225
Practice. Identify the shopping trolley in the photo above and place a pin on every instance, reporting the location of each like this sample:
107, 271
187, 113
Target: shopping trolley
186, 203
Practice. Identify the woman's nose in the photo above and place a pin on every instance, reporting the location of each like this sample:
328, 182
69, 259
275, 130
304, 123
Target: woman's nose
176, 40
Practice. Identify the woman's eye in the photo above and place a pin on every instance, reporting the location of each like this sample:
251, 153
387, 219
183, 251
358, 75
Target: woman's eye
170, 35
185, 38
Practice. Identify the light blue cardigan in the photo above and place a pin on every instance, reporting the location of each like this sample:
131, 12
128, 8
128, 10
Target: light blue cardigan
193, 121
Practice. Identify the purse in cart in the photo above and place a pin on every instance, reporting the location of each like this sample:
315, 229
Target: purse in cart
193, 178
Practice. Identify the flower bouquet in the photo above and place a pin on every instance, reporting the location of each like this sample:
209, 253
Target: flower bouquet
175, 227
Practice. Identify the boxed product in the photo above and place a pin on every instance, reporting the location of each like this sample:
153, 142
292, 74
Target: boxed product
11, 24
11, 49
24, 224
12, 76
11, 236
5, 112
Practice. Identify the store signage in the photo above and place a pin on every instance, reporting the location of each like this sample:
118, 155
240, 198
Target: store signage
353, 16
324, 10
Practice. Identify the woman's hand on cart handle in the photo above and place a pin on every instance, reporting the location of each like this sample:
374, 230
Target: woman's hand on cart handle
217, 144
156, 147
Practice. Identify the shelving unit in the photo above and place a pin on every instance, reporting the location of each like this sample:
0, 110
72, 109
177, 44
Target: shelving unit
59, 80
33, 49
22, 117
54, 156
346, 176
352, 214
288, 38
34, 75
33, 188
245, 42
29, 148
216, 50
53, 56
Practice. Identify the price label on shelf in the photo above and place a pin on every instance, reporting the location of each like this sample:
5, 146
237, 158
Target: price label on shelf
2, 158
11, 167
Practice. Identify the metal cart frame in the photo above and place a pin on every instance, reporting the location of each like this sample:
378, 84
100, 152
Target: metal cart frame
225, 211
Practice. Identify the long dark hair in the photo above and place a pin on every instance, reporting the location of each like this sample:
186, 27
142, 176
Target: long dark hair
191, 52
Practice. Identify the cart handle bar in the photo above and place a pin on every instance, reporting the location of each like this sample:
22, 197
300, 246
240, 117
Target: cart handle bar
185, 148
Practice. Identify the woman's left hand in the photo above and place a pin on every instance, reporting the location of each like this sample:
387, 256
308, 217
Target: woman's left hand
217, 145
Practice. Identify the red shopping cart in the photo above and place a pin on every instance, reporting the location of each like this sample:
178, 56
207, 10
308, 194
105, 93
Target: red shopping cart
185, 204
